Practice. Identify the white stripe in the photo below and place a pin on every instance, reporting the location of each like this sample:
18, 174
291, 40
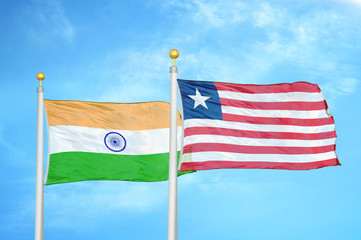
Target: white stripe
85, 139
239, 157
257, 141
310, 114
272, 97
257, 127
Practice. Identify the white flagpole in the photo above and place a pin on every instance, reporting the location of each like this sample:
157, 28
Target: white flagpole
39, 197
172, 187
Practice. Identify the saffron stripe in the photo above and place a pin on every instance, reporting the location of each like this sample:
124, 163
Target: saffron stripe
276, 88
257, 134
125, 116
233, 148
299, 106
278, 121
192, 166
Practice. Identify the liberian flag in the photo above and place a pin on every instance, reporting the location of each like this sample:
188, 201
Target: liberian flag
107, 141
281, 126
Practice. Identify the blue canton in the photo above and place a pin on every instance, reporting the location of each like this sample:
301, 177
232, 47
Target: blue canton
205, 89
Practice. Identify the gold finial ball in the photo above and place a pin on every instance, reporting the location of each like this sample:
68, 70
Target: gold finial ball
173, 53
40, 76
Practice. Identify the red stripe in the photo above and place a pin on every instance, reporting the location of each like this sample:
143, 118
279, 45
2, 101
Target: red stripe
256, 134
278, 121
276, 88
300, 106
233, 148
193, 166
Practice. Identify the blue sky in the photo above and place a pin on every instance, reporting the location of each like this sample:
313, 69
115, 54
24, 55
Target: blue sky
118, 51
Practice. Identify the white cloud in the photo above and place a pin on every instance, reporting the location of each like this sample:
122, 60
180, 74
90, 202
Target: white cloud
354, 2
22, 216
50, 22
348, 85
210, 66
77, 204
134, 76
13, 151
224, 187
338, 87
82, 205
211, 13
219, 13
268, 16
302, 41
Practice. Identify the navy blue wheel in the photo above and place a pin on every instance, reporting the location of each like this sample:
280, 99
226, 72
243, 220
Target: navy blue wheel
115, 142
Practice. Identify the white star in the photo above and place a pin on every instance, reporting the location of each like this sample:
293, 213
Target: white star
199, 99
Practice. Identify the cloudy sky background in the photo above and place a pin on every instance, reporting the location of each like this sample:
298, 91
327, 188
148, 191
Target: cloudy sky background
117, 51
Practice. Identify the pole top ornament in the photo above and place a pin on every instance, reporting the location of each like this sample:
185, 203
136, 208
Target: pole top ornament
173, 54
40, 76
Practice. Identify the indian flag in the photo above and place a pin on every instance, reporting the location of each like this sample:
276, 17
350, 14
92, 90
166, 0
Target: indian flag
107, 141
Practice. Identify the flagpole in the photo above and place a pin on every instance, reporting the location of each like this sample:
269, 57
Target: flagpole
39, 197
172, 187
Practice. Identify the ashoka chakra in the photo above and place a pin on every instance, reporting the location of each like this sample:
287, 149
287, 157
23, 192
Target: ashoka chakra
115, 142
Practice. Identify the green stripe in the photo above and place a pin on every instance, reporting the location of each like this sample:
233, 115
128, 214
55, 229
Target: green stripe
82, 166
